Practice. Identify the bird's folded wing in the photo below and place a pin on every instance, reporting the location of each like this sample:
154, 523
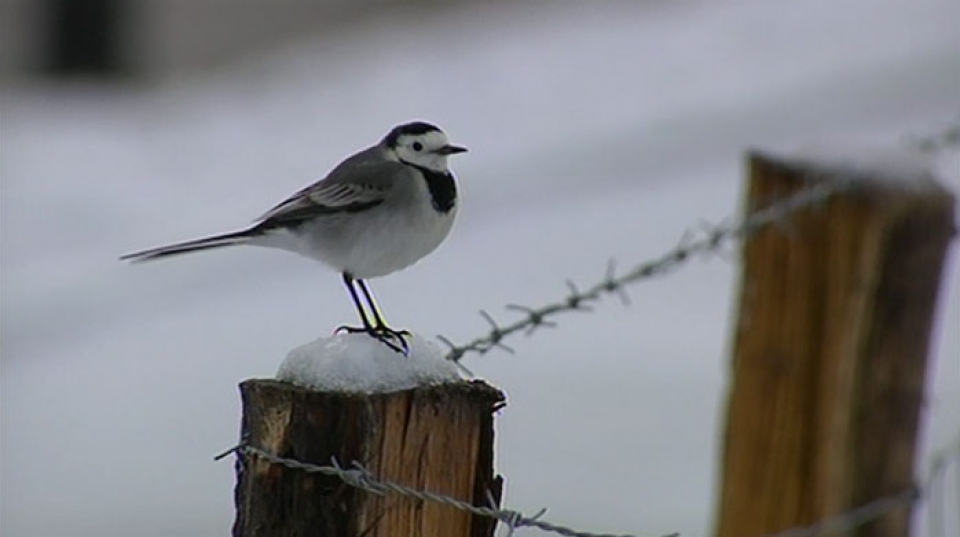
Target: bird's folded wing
324, 198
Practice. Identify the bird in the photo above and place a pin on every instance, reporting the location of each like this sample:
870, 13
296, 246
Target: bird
380, 210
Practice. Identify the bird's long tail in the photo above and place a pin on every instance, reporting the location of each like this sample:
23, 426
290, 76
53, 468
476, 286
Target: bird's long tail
217, 241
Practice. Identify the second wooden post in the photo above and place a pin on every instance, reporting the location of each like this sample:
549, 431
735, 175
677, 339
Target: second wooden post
830, 349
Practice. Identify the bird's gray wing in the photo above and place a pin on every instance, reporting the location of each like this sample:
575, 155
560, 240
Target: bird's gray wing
348, 189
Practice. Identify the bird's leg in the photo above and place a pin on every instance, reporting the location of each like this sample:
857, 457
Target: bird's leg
379, 331
380, 325
367, 327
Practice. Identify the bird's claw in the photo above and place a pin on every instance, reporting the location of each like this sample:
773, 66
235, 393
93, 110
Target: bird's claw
353, 329
387, 338
383, 334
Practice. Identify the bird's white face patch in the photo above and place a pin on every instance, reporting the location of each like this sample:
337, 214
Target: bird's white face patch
421, 150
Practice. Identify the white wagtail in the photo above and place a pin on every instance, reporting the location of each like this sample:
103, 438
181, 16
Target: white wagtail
378, 211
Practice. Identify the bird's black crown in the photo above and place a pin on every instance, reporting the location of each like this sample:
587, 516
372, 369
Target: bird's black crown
414, 128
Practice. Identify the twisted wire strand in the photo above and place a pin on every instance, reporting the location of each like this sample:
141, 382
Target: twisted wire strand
704, 240
873, 510
707, 240
359, 477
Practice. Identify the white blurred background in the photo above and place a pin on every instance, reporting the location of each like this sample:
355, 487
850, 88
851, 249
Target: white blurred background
596, 130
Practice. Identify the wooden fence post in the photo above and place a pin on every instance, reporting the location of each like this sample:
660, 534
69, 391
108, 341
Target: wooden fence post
830, 350
437, 438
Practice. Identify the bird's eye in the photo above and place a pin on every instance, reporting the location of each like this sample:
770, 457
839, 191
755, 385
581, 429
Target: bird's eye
417, 146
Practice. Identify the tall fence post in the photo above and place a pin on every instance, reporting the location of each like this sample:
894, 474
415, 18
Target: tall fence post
830, 349
436, 438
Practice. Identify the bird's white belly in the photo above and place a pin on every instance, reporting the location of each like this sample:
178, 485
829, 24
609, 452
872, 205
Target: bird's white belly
372, 244
394, 243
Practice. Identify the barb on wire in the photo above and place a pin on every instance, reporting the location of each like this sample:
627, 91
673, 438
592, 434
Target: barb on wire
360, 477
706, 240
227, 452
536, 319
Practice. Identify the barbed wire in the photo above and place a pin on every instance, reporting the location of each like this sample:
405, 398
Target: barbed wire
873, 510
935, 490
705, 240
360, 477
855, 518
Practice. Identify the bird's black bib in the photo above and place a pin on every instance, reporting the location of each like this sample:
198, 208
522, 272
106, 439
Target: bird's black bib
442, 187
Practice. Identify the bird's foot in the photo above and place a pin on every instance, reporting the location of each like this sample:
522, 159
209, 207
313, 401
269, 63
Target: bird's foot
395, 339
388, 335
353, 329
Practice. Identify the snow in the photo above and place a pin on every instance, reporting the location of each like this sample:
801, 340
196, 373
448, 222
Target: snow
360, 363
894, 166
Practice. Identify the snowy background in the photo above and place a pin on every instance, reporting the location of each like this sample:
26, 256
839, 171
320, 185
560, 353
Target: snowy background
596, 130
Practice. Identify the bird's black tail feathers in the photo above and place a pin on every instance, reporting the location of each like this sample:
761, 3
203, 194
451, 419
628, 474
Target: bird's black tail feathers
217, 241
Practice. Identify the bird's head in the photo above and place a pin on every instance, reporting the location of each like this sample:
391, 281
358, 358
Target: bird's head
420, 144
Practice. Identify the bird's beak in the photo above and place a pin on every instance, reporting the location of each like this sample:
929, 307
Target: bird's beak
450, 150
